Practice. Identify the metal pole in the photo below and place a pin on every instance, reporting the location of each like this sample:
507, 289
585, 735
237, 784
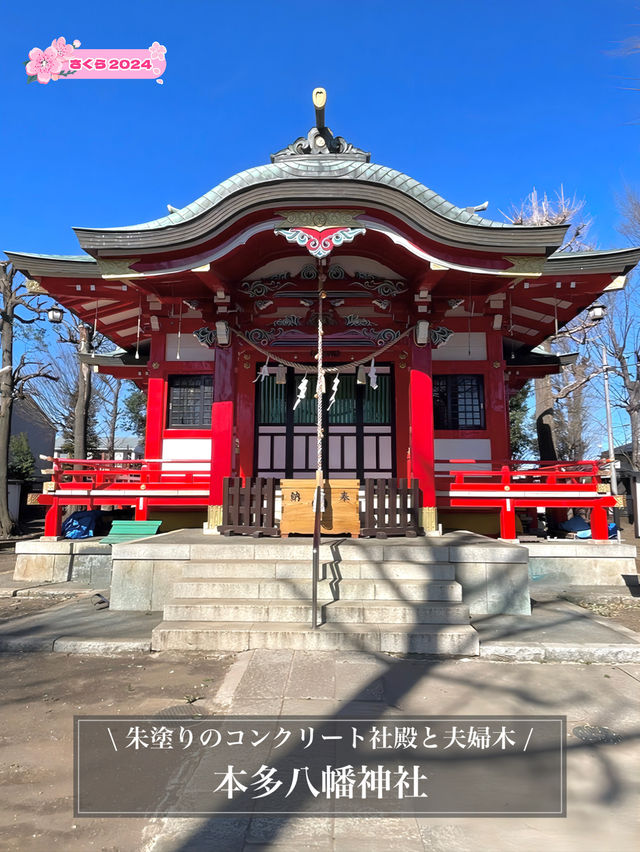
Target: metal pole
607, 403
319, 501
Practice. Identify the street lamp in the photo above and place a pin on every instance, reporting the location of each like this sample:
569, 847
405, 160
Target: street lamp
596, 313
54, 315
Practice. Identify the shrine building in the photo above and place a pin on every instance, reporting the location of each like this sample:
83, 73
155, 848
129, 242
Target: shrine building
424, 318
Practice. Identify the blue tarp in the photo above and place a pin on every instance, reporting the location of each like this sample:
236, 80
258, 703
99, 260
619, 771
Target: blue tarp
81, 524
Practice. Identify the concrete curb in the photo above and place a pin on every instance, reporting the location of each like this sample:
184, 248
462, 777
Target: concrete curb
559, 653
48, 590
72, 645
101, 647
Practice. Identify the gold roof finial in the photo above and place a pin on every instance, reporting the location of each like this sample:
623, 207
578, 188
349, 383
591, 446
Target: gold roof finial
319, 98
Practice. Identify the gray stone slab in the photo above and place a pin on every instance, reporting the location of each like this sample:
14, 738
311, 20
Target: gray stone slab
76, 620
165, 575
580, 570
377, 835
575, 547
224, 637
488, 551
311, 677
316, 707
131, 585
266, 677
34, 568
225, 549
552, 623
307, 832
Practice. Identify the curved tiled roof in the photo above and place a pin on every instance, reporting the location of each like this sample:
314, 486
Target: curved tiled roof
310, 167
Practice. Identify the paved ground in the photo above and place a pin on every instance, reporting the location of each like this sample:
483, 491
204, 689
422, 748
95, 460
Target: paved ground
40, 692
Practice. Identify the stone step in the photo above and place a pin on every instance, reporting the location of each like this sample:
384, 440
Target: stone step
347, 550
287, 569
433, 639
349, 612
296, 589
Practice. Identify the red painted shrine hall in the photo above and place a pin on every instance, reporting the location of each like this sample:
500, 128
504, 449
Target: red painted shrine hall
431, 317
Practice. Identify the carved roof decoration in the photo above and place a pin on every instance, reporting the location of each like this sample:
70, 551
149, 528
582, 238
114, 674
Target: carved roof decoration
321, 143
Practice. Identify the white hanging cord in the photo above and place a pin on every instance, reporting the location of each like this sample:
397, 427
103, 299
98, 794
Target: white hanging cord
334, 391
302, 391
179, 333
137, 356
373, 376
263, 373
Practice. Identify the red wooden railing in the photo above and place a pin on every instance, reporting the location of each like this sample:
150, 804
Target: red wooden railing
460, 483
515, 485
141, 483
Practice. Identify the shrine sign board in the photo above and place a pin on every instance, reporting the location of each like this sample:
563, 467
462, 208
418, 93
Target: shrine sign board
341, 512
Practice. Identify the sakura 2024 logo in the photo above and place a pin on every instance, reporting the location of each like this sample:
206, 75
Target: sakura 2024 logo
62, 61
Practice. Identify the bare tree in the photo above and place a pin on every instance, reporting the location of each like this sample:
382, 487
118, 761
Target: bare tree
108, 391
622, 342
15, 302
60, 403
540, 210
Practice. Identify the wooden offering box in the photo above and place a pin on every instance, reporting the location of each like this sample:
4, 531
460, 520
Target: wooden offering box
341, 513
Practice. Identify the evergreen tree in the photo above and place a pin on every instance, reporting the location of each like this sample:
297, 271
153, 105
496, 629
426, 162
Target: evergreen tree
521, 428
135, 413
21, 460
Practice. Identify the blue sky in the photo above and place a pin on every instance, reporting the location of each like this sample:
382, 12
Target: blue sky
478, 100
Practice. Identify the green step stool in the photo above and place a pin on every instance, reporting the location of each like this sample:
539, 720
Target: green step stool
130, 530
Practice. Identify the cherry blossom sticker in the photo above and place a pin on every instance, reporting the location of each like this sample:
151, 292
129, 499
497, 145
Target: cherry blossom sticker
62, 61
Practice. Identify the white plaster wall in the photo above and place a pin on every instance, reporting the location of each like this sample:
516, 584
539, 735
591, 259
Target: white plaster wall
462, 448
175, 449
190, 349
459, 345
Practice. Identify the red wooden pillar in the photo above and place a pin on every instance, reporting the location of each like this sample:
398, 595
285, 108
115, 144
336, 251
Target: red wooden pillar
496, 403
599, 523
155, 417
421, 425
222, 437
53, 520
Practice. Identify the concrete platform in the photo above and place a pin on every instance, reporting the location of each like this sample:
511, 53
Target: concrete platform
578, 562
77, 627
492, 574
556, 631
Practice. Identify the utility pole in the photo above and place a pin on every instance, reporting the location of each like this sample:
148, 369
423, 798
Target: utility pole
612, 460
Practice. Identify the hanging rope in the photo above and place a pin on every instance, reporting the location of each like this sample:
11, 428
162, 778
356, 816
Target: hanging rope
95, 328
334, 368
138, 326
179, 333
320, 383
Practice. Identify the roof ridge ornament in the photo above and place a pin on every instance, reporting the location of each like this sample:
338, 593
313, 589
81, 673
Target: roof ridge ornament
320, 141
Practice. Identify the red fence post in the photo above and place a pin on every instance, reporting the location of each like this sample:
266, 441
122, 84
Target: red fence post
507, 521
599, 523
53, 520
141, 510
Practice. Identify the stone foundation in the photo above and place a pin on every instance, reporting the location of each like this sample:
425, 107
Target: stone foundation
51, 561
582, 563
